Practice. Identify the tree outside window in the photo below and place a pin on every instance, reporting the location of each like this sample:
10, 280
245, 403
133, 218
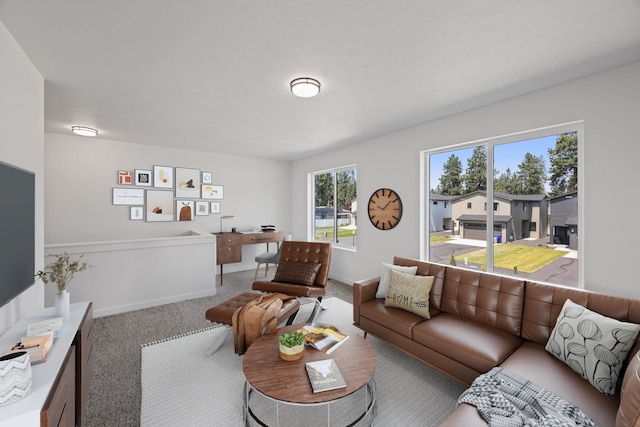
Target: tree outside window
335, 207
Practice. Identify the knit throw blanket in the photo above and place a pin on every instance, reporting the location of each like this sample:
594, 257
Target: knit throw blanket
505, 399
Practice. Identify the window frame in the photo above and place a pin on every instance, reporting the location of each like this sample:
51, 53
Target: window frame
490, 143
311, 226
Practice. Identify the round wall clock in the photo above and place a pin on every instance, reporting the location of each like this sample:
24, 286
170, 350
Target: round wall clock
385, 209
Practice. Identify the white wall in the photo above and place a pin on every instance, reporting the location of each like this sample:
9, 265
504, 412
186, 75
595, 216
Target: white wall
21, 136
81, 172
609, 104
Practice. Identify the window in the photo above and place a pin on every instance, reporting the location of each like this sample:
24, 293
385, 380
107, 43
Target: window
531, 178
334, 215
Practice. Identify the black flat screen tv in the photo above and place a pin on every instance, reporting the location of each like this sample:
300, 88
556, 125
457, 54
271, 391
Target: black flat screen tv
17, 231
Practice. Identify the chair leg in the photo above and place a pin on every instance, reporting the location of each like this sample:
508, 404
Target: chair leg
257, 269
316, 309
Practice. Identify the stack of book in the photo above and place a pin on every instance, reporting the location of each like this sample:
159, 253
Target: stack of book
36, 347
38, 339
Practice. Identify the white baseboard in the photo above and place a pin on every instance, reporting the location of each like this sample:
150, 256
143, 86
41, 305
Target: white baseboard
152, 303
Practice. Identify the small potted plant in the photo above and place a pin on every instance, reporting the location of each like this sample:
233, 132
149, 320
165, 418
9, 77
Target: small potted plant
291, 346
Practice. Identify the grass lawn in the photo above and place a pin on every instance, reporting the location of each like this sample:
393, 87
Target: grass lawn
527, 258
328, 232
438, 239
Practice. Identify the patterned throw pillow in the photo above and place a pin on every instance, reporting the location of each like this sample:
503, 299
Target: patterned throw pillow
385, 275
409, 292
297, 273
593, 345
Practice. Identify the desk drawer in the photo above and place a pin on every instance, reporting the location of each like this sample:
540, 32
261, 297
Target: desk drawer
268, 237
228, 239
229, 254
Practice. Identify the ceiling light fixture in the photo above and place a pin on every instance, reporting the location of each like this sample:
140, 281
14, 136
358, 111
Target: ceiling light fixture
84, 131
305, 87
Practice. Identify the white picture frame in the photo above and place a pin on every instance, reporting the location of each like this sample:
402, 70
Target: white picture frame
160, 206
215, 208
210, 191
207, 178
142, 177
187, 183
136, 213
185, 210
163, 176
202, 208
128, 196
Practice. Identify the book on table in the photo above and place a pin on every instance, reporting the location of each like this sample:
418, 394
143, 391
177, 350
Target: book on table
44, 326
325, 375
323, 337
36, 347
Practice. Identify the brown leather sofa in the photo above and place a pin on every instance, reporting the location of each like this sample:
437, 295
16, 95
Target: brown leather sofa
480, 320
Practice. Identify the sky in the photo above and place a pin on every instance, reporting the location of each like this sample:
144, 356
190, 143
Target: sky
508, 155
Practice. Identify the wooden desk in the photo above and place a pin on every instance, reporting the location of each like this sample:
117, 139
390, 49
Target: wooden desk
229, 245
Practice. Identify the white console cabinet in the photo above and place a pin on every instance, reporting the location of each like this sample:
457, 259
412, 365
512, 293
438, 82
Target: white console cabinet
61, 384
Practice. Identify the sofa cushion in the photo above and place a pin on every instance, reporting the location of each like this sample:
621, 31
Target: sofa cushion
474, 344
531, 361
297, 273
594, 346
395, 319
385, 277
409, 292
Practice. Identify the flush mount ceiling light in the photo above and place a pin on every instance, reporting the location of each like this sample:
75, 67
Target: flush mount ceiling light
305, 87
84, 131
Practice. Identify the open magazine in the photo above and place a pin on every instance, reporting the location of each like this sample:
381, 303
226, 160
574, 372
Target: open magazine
325, 338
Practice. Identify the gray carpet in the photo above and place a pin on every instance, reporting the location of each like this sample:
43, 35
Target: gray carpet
115, 393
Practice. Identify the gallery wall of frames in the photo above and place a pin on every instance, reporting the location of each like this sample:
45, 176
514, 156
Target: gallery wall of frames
167, 193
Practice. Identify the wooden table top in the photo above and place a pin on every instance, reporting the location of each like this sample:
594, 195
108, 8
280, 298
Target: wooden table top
289, 382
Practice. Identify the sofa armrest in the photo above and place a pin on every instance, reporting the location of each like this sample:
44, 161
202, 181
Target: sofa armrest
363, 291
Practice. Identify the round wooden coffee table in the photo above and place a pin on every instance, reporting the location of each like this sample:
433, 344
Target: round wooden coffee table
288, 383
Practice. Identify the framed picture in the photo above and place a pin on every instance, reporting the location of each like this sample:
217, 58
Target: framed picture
137, 213
125, 178
185, 210
143, 177
210, 191
202, 208
163, 176
207, 178
187, 183
128, 196
159, 206
215, 207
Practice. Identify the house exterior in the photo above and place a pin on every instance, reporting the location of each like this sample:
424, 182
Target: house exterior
515, 216
440, 212
564, 220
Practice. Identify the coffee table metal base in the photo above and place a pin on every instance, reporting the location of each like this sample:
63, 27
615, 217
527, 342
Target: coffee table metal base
249, 415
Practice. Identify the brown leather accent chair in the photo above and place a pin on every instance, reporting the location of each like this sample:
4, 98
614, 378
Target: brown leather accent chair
317, 254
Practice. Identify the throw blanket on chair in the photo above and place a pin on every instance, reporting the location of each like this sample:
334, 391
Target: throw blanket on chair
505, 399
256, 318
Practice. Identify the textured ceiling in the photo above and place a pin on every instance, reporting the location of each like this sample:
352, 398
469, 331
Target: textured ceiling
214, 75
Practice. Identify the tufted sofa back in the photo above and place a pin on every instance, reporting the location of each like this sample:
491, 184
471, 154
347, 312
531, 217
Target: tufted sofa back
486, 298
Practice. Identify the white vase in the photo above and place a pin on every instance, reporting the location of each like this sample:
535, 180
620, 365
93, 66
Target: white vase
62, 303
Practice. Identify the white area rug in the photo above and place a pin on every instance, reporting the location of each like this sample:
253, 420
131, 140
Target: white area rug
182, 386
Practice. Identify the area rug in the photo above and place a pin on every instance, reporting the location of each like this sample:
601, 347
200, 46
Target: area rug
182, 386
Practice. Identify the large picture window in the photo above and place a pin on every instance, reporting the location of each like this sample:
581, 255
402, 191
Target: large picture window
335, 207
531, 181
